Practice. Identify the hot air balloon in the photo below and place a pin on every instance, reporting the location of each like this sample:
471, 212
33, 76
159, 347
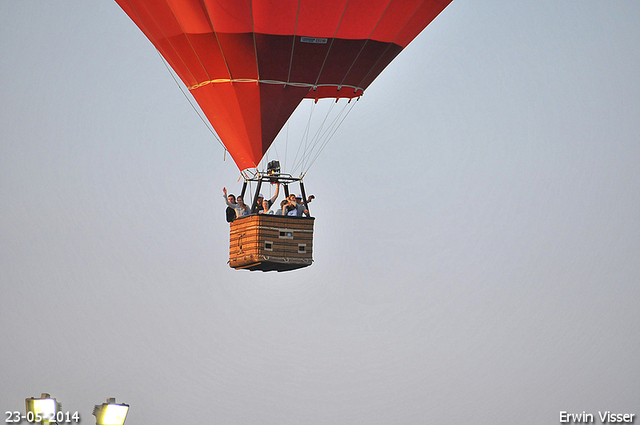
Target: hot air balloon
250, 63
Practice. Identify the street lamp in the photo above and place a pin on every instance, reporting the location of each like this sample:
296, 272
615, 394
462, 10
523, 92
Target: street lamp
110, 413
43, 409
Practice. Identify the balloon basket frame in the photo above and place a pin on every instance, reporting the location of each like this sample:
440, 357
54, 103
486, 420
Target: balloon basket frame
273, 178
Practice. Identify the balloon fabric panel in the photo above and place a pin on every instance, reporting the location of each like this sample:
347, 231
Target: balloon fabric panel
249, 63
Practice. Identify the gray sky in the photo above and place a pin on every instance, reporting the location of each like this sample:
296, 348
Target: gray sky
477, 245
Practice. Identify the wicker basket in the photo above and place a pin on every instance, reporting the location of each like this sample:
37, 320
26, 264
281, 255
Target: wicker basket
271, 242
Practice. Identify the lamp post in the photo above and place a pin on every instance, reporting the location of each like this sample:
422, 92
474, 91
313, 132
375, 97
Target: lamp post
110, 413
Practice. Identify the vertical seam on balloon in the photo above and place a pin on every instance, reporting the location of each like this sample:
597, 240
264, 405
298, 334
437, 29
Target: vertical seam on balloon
331, 45
255, 51
393, 41
215, 33
293, 43
189, 40
163, 33
255, 45
364, 45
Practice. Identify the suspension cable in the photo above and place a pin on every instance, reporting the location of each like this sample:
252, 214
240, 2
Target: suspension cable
318, 135
206, 123
321, 137
303, 140
314, 138
328, 138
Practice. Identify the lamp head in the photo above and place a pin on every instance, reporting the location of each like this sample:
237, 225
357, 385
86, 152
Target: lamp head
44, 407
111, 413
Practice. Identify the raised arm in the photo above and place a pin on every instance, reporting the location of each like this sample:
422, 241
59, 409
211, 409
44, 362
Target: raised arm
226, 198
273, 199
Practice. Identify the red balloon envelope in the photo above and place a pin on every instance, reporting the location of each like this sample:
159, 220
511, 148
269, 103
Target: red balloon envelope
249, 63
